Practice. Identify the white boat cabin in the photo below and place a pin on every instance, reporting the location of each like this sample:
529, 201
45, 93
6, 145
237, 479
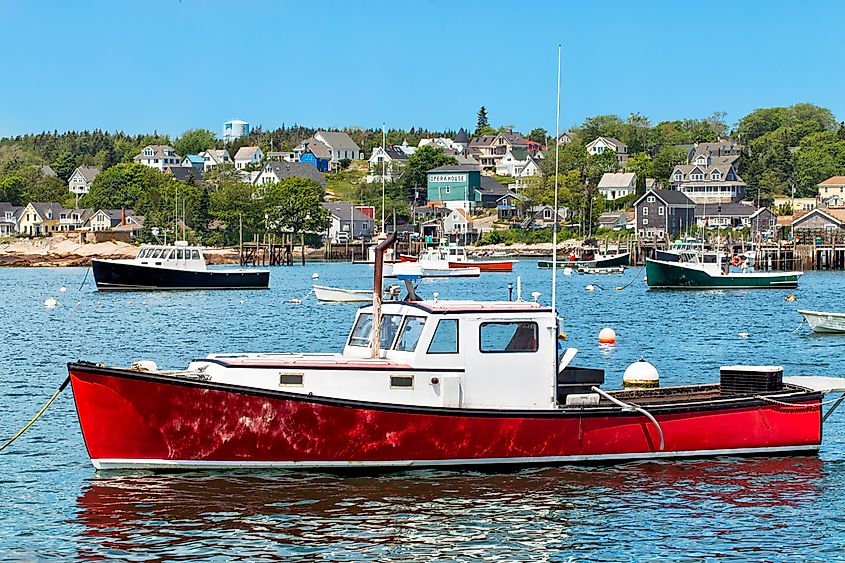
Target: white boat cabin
459, 354
179, 256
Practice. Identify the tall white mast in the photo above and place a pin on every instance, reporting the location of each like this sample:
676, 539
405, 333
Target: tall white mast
383, 165
557, 164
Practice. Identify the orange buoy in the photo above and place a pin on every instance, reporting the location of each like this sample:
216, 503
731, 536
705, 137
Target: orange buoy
607, 336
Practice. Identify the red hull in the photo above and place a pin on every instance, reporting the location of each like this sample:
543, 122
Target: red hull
485, 266
131, 419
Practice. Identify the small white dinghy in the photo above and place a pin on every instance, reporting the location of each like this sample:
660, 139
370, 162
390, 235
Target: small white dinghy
827, 323
341, 295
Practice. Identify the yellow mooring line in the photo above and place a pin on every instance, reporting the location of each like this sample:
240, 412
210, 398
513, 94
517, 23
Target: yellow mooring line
37, 416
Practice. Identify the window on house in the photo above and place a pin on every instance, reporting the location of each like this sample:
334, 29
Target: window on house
660, 210
650, 199
508, 337
645, 221
716, 176
678, 176
645, 210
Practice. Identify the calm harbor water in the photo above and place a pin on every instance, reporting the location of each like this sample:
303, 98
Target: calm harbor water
53, 504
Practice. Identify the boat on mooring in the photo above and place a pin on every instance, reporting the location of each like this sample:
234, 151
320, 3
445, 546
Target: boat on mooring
177, 266
824, 322
341, 295
455, 256
713, 270
429, 383
597, 261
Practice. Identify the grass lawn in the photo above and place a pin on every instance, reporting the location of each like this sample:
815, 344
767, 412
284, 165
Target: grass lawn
345, 185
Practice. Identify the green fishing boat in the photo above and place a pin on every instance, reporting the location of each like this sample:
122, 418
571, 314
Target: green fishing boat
713, 270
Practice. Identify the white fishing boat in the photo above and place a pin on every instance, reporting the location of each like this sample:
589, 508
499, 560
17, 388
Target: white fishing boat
825, 323
428, 269
342, 295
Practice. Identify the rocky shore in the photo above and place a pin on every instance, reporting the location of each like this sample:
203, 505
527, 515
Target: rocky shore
60, 251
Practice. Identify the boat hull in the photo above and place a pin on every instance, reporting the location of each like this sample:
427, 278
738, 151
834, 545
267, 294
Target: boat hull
113, 275
135, 419
341, 295
485, 265
606, 262
675, 275
825, 323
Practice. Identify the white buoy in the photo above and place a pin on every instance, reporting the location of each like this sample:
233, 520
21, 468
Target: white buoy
296, 301
567, 271
242, 301
744, 335
62, 289
315, 276
641, 374
607, 336
51, 302
590, 287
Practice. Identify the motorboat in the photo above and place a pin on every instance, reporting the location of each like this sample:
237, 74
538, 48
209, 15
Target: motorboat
342, 295
450, 255
428, 269
714, 270
177, 266
431, 383
824, 322
597, 261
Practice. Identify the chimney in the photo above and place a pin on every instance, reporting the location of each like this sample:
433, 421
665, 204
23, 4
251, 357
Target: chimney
122, 216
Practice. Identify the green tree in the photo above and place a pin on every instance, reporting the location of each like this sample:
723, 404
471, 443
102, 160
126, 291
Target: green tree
481, 120
64, 165
665, 161
12, 189
640, 164
48, 190
538, 135
424, 159
194, 141
293, 206
124, 185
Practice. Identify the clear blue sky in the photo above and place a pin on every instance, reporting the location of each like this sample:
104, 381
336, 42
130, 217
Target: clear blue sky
171, 65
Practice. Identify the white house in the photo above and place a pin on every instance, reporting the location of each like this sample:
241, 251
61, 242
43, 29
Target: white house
459, 221
158, 156
706, 182
9, 215
212, 158
332, 145
80, 181
614, 185
392, 159
248, 155
601, 144
513, 163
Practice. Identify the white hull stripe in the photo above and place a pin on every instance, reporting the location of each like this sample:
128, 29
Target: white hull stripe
113, 463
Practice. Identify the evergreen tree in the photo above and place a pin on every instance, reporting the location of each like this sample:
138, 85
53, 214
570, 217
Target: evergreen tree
482, 121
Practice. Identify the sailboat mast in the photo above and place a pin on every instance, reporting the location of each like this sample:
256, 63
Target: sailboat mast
557, 165
383, 166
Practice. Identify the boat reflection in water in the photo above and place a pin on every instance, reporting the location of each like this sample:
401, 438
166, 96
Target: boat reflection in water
627, 511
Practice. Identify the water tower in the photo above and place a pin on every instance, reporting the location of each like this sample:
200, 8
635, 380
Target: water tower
235, 129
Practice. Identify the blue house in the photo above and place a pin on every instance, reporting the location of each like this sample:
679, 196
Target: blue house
321, 164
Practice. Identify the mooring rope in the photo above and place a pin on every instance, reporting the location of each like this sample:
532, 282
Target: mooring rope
37, 416
793, 405
84, 279
635, 278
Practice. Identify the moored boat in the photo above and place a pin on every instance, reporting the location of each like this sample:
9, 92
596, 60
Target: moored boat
431, 383
341, 295
598, 261
172, 267
711, 270
825, 322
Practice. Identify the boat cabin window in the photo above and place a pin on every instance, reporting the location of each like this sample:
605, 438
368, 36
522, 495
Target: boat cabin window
180, 254
409, 336
709, 258
445, 339
518, 336
195, 255
171, 255
364, 329
143, 254
156, 253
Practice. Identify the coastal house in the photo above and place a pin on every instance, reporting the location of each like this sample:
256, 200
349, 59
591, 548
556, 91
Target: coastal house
38, 219
212, 158
763, 221
454, 185
719, 152
832, 191
346, 217
247, 156
81, 179
544, 215
394, 161
196, 161
614, 185
510, 206
602, 144
613, 220
705, 181
513, 163
107, 219
724, 215
443, 143
796, 204
187, 174
9, 215
820, 219
488, 150
74, 219
273, 172
158, 156
458, 222
488, 193
332, 145
663, 214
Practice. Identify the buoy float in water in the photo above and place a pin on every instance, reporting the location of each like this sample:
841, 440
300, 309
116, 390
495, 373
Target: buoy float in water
62, 289
743, 335
567, 271
51, 302
296, 301
242, 301
590, 287
315, 276
791, 298
607, 336
641, 374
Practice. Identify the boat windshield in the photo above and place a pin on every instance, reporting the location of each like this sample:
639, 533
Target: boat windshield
364, 329
409, 336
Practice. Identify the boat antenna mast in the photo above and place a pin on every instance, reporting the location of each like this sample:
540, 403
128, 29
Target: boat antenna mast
383, 167
378, 271
557, 165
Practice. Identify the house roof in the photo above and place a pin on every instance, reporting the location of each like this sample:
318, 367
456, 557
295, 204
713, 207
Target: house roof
617, 180
159, 151
47, 170
88, 172
725, 210
707, 170
837, 216
609, 141
483, 141
611, 217
491, 186
246, 153
5, 207
284, 170
338, 140
717, 149
834, 181
462, 137
195, 159
520, 154
670, 197
316, 147
43, 208
183, 173
345, 211
455, 168
395, 153
466, 217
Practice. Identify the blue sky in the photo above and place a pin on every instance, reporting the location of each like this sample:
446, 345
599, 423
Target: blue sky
170, 65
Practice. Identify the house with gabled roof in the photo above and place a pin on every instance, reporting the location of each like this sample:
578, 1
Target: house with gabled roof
392, 159
663, 214
277, 171
9, 216
458, 222
158, 156
248, 155
74, 219
107, 219
187, 174
704, 181
614, 185
346, 217
513, 163
194, 160
719, 152
602, 144
832, 191
81, 179
724, 215
488, 150
820, 219
38, 219
212, 158
334, 146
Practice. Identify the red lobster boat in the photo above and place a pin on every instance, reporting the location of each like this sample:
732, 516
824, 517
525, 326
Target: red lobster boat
455, 256
431, 383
